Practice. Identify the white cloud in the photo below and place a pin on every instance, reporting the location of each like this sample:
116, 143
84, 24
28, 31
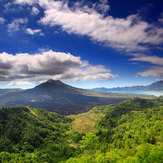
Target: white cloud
129, 34
153, 71
30, 2
152, 59
16, 24
156, 71
19, 83
103, 6
88, 73
34, 31
35, 11
47, 65
2, 20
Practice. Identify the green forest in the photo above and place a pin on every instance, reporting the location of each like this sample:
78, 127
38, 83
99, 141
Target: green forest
130, 132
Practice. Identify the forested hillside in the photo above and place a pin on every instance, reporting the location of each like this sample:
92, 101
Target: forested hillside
130, 131
33, 135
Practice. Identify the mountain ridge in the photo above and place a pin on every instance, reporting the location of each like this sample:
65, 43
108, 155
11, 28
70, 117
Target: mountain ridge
156, 86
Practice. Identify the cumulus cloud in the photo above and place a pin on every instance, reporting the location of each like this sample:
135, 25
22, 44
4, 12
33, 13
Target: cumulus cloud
47, 65
35, 11
129, 34
2, 20
34, 31
88, 73
16, 23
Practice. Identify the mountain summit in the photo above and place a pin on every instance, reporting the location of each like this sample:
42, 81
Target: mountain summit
56, 86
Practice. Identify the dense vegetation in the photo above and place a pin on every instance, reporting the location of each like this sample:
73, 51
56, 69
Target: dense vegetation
130, 131
84, 122
35, 135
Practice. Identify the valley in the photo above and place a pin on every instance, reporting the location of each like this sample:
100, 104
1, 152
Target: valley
57, 123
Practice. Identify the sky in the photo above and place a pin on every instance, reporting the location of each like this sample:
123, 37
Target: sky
86, 43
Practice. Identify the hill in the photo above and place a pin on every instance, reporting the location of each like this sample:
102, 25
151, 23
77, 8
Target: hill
130, 131
156, 86
33, 135
59, 97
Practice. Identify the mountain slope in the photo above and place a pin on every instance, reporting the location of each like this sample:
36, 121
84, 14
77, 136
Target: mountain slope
157, 86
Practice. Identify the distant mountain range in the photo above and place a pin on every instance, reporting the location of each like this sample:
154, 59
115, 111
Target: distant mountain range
156, 86
56, 96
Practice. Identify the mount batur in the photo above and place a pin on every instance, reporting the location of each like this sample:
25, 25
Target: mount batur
57, 97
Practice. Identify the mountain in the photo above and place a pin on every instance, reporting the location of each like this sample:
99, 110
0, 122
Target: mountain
53, 95
156, 86
56, 86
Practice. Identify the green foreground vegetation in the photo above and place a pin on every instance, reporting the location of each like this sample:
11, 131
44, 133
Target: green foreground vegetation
130, 131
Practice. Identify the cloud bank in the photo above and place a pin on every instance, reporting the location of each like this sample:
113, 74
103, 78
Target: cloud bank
47, 65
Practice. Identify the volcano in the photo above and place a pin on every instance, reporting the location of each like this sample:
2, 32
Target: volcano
55, 96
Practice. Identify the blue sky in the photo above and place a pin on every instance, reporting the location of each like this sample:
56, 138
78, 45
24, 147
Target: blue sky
87, 44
